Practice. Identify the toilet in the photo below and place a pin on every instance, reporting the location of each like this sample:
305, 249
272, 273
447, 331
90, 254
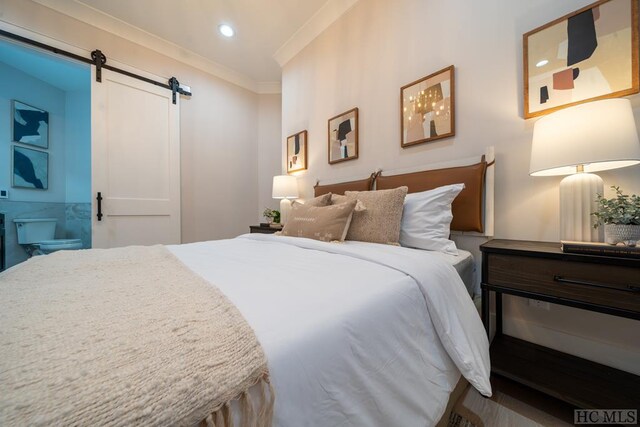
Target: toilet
36, 236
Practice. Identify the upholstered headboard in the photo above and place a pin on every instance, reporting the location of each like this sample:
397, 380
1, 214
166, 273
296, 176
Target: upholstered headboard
467, 207
473, 209
339, 188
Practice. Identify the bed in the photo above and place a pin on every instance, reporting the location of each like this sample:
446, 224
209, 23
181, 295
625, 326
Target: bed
354, 333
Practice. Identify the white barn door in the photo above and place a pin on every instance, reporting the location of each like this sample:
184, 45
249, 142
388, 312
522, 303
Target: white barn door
135, 162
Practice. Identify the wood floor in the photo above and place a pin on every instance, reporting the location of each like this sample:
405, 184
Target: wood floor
515, 405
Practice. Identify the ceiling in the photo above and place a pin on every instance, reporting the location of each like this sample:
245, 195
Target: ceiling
262, 27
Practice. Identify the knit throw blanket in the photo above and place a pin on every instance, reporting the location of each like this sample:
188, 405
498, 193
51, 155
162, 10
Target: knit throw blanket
122, 337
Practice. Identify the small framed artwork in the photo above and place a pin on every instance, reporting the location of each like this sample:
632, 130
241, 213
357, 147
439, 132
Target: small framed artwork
586, 55
30, 125
30, 168
343, 136
427, 108
297, 152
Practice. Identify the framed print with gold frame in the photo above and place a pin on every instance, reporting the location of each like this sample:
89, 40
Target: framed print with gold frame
297, 152
343, 137
427, 108
586, 55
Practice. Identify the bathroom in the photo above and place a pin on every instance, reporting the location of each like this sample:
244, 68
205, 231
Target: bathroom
57, 182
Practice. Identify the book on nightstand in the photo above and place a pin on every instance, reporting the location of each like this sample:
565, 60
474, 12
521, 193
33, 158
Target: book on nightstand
602, 249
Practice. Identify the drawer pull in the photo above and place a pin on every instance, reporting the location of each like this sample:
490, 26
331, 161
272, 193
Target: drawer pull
630, 288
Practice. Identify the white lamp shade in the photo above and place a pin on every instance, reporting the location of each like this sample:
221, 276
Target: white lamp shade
598, 135
285, 187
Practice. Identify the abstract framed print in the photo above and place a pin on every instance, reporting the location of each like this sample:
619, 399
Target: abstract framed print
30, 125
343, 137
297, 152
30, 168
586, 55
427, 108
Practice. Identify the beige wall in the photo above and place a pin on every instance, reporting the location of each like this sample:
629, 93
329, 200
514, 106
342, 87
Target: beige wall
219, 124
269, 154
367, 55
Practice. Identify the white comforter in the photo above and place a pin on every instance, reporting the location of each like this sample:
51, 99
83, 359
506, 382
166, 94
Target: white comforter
356, 334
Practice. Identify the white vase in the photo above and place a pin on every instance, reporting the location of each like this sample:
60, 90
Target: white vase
627, 233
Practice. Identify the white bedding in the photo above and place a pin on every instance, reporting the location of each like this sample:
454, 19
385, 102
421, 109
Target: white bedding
356, 334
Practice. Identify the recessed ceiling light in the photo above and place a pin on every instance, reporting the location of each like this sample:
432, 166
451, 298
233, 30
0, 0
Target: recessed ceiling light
226, 30
542, 63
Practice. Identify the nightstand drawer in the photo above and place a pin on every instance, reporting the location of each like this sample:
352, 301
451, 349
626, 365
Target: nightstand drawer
606, 285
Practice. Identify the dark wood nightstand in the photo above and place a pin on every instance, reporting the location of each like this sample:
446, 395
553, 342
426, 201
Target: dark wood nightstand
541, 271
263, 230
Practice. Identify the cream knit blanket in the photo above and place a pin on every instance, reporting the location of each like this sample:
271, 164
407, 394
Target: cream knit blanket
122, 337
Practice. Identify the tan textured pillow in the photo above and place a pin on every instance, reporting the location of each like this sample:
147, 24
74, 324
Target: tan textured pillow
325, 223
324, 200
336, 199
380, 222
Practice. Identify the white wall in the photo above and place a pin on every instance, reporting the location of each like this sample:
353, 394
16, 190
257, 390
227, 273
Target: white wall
78, 144
219, 130
269, 154
16, 85
364, 58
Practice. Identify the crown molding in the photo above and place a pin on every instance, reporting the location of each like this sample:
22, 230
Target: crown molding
110, 24
266, 88
320, 21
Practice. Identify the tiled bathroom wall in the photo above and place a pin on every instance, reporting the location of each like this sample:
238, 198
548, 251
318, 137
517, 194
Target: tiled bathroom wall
78, 222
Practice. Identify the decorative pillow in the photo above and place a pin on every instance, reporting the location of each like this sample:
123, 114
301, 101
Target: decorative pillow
336, 199
324, 200
380, 222
325, 223
426, 219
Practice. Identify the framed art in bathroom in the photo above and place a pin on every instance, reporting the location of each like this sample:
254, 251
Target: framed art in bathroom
427, 108
30, 125
589, 54
297, 152
343, 136
30, 168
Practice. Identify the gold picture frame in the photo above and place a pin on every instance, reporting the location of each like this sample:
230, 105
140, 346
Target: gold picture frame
343, 137
297, 152
427, 108
586, 55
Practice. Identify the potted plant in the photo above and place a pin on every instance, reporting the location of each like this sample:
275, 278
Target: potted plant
272, 216
620, 216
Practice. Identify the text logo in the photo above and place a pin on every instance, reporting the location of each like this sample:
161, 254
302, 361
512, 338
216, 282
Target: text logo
605, 416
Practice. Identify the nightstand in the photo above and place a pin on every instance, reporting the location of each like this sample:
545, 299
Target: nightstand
541, 271
263, 230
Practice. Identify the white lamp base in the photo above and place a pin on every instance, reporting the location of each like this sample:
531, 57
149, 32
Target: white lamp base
577, 202
285, 210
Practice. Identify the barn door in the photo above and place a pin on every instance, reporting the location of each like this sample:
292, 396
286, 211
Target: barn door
135, 163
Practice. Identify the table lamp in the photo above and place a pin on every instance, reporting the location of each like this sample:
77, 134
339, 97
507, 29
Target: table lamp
577, 141
285, 187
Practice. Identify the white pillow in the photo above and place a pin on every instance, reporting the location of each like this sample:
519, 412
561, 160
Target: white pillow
426, 219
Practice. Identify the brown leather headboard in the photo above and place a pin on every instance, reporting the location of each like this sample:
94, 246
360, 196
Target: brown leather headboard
467, 207
340, 188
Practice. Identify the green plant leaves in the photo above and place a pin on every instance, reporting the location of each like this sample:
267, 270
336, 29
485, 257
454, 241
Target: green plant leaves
622, 209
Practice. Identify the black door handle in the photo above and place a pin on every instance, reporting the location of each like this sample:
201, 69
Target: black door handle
99, 199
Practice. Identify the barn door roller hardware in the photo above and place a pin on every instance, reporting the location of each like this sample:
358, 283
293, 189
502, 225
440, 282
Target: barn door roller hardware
99, 60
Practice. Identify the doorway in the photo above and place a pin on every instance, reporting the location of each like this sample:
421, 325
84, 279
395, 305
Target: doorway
45, 144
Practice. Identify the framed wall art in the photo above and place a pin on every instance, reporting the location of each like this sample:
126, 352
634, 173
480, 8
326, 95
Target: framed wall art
343, 137
30, 125
427, 108
586, 55
30, 168
297, 152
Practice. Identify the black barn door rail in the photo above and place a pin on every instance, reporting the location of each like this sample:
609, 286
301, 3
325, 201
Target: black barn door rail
99, 60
